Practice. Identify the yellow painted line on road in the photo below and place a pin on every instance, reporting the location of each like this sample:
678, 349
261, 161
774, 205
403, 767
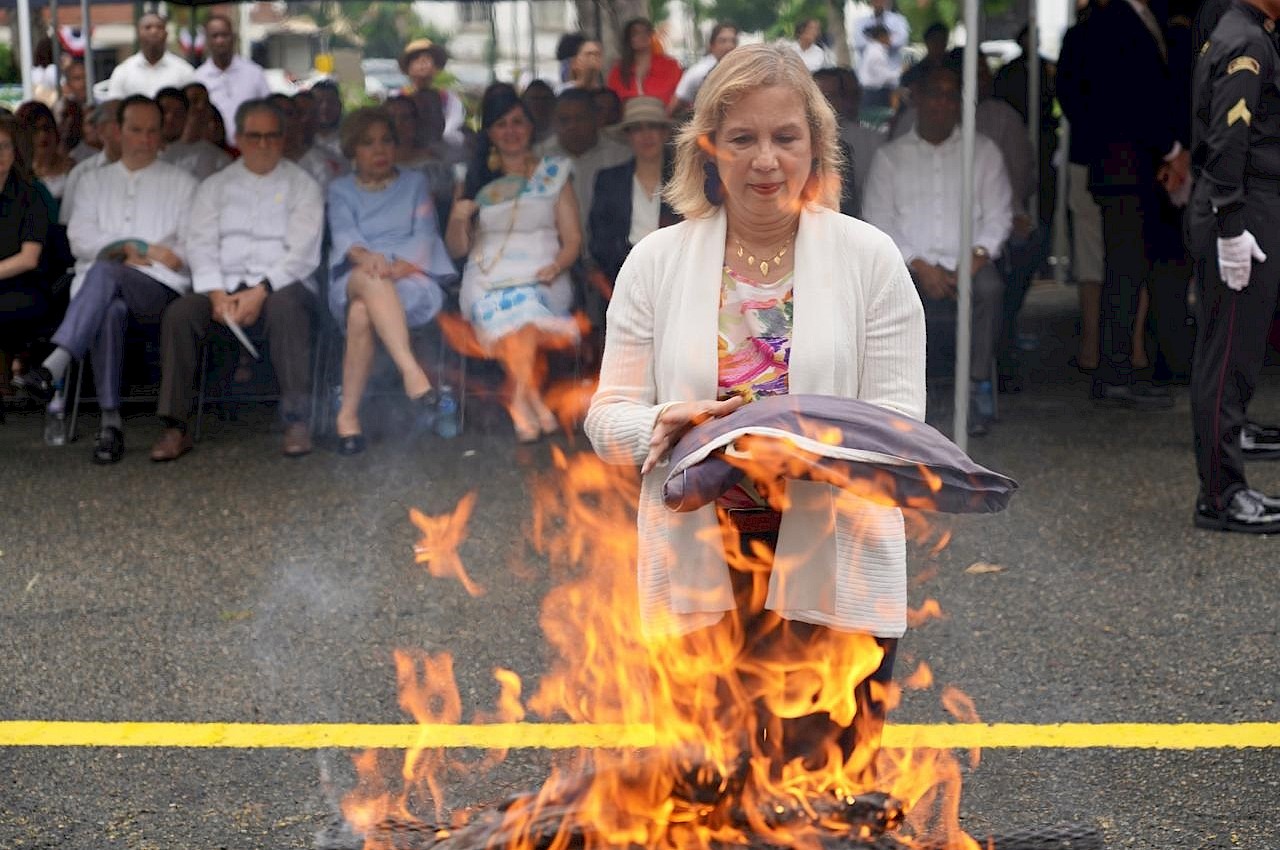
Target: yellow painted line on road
502, 736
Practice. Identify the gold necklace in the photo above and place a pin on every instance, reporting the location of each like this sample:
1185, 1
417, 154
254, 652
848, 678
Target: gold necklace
764, 263
478, 258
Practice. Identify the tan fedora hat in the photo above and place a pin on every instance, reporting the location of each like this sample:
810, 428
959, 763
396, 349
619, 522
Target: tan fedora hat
423, 45
643, 110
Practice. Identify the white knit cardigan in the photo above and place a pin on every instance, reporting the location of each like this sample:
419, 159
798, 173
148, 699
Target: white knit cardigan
858, 332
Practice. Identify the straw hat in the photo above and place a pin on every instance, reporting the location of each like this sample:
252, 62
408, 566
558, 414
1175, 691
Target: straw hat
423, 45
643, 110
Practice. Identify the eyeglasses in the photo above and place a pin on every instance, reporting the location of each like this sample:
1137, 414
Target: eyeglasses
260, 138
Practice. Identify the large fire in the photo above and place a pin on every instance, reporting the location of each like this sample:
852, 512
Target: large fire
725, 768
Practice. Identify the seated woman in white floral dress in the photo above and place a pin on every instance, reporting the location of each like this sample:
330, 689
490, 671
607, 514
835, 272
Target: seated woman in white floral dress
516, 222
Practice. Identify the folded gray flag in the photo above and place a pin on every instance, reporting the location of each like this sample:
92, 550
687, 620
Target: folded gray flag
854, 445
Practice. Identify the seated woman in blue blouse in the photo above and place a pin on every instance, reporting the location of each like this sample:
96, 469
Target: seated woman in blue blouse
388, 264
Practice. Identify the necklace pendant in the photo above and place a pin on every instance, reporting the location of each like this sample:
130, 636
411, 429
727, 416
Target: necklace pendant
751, 260
740, 252
764, 268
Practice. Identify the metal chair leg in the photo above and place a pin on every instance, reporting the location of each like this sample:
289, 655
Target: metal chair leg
72, 420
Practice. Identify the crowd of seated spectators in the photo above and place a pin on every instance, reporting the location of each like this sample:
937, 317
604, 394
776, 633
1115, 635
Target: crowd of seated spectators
150, 211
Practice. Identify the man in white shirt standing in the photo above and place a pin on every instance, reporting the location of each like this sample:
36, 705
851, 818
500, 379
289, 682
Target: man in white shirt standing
253, 243
126, 234
724, 37
230, 78
882, 14
152, 68
913, 194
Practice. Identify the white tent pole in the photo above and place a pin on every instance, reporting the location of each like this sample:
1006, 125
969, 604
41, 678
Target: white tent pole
533, 45
964, 300
24, 47
246, 44
85, 32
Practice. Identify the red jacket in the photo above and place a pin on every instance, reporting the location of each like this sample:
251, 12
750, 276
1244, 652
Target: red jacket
664, 76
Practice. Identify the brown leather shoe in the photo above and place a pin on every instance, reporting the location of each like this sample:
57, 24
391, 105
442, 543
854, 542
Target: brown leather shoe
297, 439
172, 445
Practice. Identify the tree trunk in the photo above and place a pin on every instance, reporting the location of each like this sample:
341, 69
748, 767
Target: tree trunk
836, 28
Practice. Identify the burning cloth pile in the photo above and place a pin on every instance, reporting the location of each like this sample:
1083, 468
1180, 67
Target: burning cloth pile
761, 733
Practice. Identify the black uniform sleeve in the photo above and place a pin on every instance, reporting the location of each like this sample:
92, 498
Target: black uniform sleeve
1236, 91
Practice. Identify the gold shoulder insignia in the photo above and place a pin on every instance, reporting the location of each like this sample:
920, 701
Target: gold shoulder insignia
1244, 63
1204, 48
1240, 112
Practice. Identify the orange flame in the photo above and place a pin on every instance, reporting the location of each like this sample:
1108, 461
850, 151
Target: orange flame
768, 714
441, 537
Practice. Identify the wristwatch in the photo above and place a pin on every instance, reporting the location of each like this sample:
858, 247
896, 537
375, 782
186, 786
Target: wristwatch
979, 251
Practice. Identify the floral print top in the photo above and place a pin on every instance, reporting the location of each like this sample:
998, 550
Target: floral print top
754, 346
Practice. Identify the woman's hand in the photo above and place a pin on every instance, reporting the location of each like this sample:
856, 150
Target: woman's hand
548, 274
677, 418
371, 262
463, 209
403, 268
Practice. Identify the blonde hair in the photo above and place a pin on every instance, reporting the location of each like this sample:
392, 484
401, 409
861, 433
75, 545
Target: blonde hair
740, 72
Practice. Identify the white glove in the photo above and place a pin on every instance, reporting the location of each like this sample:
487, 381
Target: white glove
1236, 257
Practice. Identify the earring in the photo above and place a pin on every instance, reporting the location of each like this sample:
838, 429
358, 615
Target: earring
495, 160
712, 186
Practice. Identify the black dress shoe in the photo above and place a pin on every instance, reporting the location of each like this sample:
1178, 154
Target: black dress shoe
109, 446
1247, 512
351, 445
36, 382
1260, 442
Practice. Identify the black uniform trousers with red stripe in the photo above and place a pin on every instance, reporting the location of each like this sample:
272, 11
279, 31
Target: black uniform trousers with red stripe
1231, 344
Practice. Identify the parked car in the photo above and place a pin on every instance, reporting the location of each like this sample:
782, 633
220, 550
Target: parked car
383, 78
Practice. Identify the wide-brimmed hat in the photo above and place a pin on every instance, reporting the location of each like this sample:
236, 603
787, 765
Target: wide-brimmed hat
423, 45
643, 110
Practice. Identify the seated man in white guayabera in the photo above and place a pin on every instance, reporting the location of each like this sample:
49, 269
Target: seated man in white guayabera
126, 234
254, 244
913, 194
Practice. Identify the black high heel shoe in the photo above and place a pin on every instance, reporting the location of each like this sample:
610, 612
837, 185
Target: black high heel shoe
352, 444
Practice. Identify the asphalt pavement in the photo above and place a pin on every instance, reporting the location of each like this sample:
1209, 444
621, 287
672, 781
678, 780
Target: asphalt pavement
239, 585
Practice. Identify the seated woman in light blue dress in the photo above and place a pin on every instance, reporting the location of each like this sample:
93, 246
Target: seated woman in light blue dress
388, 264
516, 221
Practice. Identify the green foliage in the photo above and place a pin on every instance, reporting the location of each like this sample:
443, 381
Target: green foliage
792, 12
658, 11
9, 72
749, 15
949, 12
380, 29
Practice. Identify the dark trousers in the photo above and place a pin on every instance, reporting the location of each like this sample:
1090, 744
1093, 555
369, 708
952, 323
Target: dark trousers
284, 324
1136, 242
98, 317
1231, 344
25, 306
765, 636
987, 306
